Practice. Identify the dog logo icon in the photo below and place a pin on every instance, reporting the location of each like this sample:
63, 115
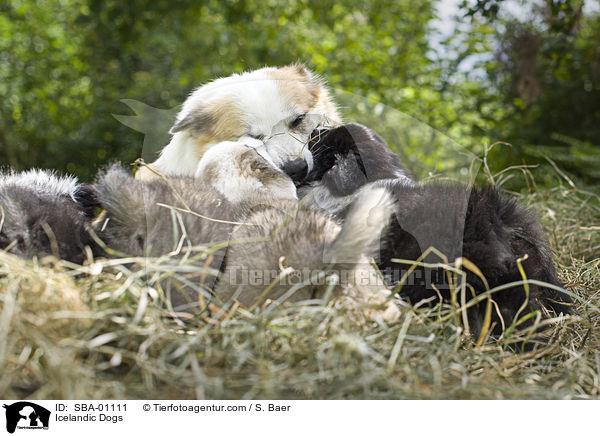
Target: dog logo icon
26, 415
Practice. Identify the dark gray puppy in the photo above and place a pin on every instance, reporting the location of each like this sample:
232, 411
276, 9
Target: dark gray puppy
477, 223
39, 215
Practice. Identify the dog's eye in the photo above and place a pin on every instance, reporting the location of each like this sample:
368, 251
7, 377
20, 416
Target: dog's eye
257, 136
296, 121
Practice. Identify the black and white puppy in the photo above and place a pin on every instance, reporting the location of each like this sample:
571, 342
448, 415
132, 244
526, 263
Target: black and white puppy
346, 159
41, 213
477, 223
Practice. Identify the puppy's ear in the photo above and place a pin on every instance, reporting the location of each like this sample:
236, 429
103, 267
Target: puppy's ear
86, 197
196, 121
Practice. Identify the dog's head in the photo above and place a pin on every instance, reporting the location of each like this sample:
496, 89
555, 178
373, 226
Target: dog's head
279, 106
40, 214
347, 157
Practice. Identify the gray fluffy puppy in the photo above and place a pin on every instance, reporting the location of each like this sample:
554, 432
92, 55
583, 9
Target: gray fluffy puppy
271, 246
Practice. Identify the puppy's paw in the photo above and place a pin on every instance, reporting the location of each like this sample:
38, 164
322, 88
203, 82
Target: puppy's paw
240, 173
385, 308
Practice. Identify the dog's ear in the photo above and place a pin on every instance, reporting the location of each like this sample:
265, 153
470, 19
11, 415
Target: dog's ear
86, 197
314, 83
301, 69
196, 121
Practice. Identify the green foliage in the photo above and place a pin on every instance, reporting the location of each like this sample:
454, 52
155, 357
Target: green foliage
66, 66
543, 83
62, 80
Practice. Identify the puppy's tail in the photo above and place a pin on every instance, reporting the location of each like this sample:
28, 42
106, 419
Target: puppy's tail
123, 197
362, 228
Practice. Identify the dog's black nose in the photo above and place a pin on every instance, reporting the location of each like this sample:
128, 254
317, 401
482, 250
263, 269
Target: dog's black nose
296, 169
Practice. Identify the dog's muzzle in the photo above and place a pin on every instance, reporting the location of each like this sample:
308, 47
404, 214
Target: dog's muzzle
296, 169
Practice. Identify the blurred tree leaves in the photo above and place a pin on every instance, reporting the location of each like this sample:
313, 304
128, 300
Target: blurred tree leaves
66, 65
543, 84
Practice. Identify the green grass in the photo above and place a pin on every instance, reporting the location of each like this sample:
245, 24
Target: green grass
101, 331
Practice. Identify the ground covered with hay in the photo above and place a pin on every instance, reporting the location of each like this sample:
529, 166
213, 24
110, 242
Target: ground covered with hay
101, 331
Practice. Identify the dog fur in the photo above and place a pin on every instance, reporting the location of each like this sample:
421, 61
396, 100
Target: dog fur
281, 235
239, 174
40, 215
273, 110
344, 160
477, 223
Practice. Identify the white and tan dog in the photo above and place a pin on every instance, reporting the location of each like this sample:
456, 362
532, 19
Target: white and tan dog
271, 110
246, 136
